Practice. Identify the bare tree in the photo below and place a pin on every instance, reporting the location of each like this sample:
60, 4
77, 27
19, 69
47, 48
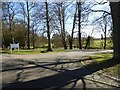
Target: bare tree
74, 23
28, 25
104, 25
23, 12
79, 24
115, 11
30, 6
61, 17
48, 27
61, 14
33, 35
8, 16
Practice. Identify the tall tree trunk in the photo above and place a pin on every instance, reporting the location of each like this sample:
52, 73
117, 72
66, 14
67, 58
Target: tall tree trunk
28, 26
11, 33
48, 28
11, 30
25, 35
87, 46
70, 39
33, 38
62, 24
105, 37
74, 22
64, 35
10, 25
115, 10
79, 24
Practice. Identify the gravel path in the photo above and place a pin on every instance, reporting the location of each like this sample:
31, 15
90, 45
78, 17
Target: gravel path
53, 56
53, 70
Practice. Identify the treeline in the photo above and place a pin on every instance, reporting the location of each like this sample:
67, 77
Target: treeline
43, 24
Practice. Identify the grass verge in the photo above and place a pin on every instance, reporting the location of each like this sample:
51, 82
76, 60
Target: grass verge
113, 71
33, 51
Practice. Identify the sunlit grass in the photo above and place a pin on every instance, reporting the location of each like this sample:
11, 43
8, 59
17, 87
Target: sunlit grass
113, 71
21, 51
60, 50
33, 51
98, 44
102, 56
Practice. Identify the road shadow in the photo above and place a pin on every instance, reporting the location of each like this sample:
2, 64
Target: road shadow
60, 80
19, 63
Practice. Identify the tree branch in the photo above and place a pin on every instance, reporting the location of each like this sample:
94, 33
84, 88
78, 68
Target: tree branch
101, 11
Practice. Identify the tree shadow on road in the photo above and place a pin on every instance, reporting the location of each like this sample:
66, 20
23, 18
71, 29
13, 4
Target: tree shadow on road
62, 79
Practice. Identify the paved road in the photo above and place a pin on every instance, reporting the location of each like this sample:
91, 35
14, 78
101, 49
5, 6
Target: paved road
52, 70
53, 56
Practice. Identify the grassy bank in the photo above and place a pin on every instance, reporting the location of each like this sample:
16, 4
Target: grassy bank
33, 51
113, 71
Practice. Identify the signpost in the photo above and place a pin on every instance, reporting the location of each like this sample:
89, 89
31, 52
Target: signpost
15, 46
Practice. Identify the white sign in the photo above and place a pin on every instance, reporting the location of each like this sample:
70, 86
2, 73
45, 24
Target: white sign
15, 46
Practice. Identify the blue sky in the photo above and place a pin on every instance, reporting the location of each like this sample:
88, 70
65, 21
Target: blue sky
88, 29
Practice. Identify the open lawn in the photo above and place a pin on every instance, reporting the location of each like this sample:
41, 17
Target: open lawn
33, 51
112, 71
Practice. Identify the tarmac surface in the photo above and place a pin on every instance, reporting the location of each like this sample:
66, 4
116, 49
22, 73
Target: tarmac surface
56, 71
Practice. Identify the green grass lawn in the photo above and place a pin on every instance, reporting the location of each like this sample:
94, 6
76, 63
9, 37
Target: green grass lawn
60, 50
21, 52
34, 51
113, 71
101, 57
99, 44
